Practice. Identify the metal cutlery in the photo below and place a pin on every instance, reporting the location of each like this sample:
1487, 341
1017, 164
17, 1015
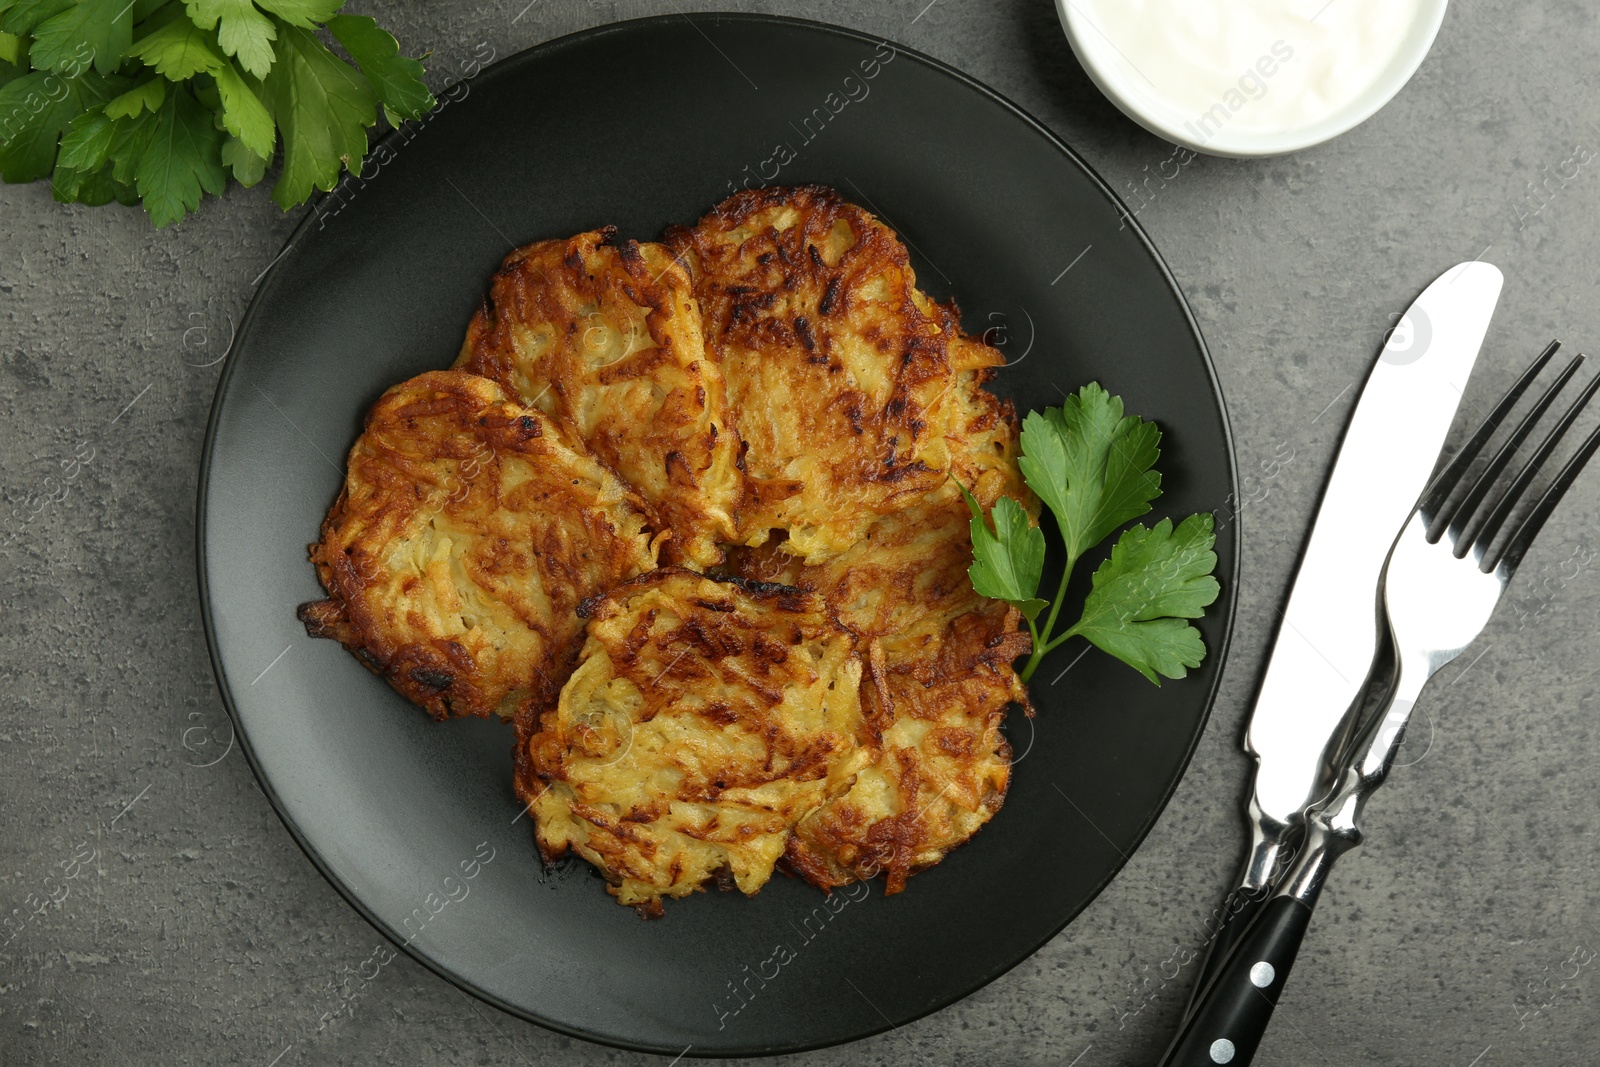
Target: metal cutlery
1445, 575
1328, 637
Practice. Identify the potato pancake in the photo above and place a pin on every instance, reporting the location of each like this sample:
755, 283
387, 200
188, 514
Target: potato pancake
939, 681
837, 365
945, 765
468, 531
604, 335
705, 719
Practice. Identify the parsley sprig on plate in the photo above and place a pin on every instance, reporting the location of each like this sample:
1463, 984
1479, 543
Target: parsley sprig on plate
1094, 469
162, 101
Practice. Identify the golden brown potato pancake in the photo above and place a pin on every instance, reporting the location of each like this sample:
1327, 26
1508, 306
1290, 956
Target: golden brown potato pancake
945, 765
838, 368
468, 531
604, 335
705, 719
939, 681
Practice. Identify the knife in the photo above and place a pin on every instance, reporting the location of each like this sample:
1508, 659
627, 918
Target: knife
1306, 707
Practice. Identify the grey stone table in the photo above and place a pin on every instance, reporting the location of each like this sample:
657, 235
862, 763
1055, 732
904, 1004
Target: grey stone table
1465, 933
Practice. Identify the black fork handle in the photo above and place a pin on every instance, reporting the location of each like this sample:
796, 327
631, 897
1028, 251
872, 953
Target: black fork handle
1228, 1022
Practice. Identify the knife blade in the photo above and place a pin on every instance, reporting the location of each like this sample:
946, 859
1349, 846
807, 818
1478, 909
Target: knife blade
1328, 637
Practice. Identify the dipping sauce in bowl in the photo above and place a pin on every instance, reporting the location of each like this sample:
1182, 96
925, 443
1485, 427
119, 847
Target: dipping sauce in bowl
1250, 77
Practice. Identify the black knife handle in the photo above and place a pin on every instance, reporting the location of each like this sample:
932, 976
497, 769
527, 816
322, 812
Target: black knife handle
1238, 912
1227, 1024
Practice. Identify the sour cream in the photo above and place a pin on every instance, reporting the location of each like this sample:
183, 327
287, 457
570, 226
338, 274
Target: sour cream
1246, 66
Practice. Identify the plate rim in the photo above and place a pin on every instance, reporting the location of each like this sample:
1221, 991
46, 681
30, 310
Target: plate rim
506, 67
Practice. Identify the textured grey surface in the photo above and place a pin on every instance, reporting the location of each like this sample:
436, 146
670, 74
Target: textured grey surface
1466, 932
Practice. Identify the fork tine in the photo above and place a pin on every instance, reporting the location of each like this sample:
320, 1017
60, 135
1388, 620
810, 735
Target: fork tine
1434, 499
1463, 511
1508, 500
1517, 544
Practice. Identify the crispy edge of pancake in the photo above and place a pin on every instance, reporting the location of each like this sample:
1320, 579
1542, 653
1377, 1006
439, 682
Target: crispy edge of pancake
982, 433
605, 335
837, 365
706, 717
442, 449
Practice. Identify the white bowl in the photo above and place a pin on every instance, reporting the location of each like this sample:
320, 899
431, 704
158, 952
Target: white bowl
1141, 108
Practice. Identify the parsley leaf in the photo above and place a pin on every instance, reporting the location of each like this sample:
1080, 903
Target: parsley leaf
246, 167
1008, 561
1091, 465
93, 187
182, 157
97, 31
1155, 579
243, 114
146, 96
323, 108
1094, 468
26, 14
242, 31
397, 79
129, 136
36, 110
87, 145
178, 51
302, 13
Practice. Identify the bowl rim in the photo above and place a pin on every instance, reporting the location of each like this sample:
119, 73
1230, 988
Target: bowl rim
1111, 82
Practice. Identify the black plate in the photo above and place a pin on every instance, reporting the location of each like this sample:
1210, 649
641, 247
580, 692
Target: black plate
642, 124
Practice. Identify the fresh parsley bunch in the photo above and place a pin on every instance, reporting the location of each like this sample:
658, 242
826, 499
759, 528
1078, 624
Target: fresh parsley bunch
1094, 469
160, 101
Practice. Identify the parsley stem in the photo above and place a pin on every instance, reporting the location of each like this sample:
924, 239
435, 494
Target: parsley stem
1040, 650
1066, 635
1061, 595
1044, 644
1033, 660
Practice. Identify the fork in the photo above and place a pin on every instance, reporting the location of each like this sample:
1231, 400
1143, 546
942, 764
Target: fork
1442, 581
